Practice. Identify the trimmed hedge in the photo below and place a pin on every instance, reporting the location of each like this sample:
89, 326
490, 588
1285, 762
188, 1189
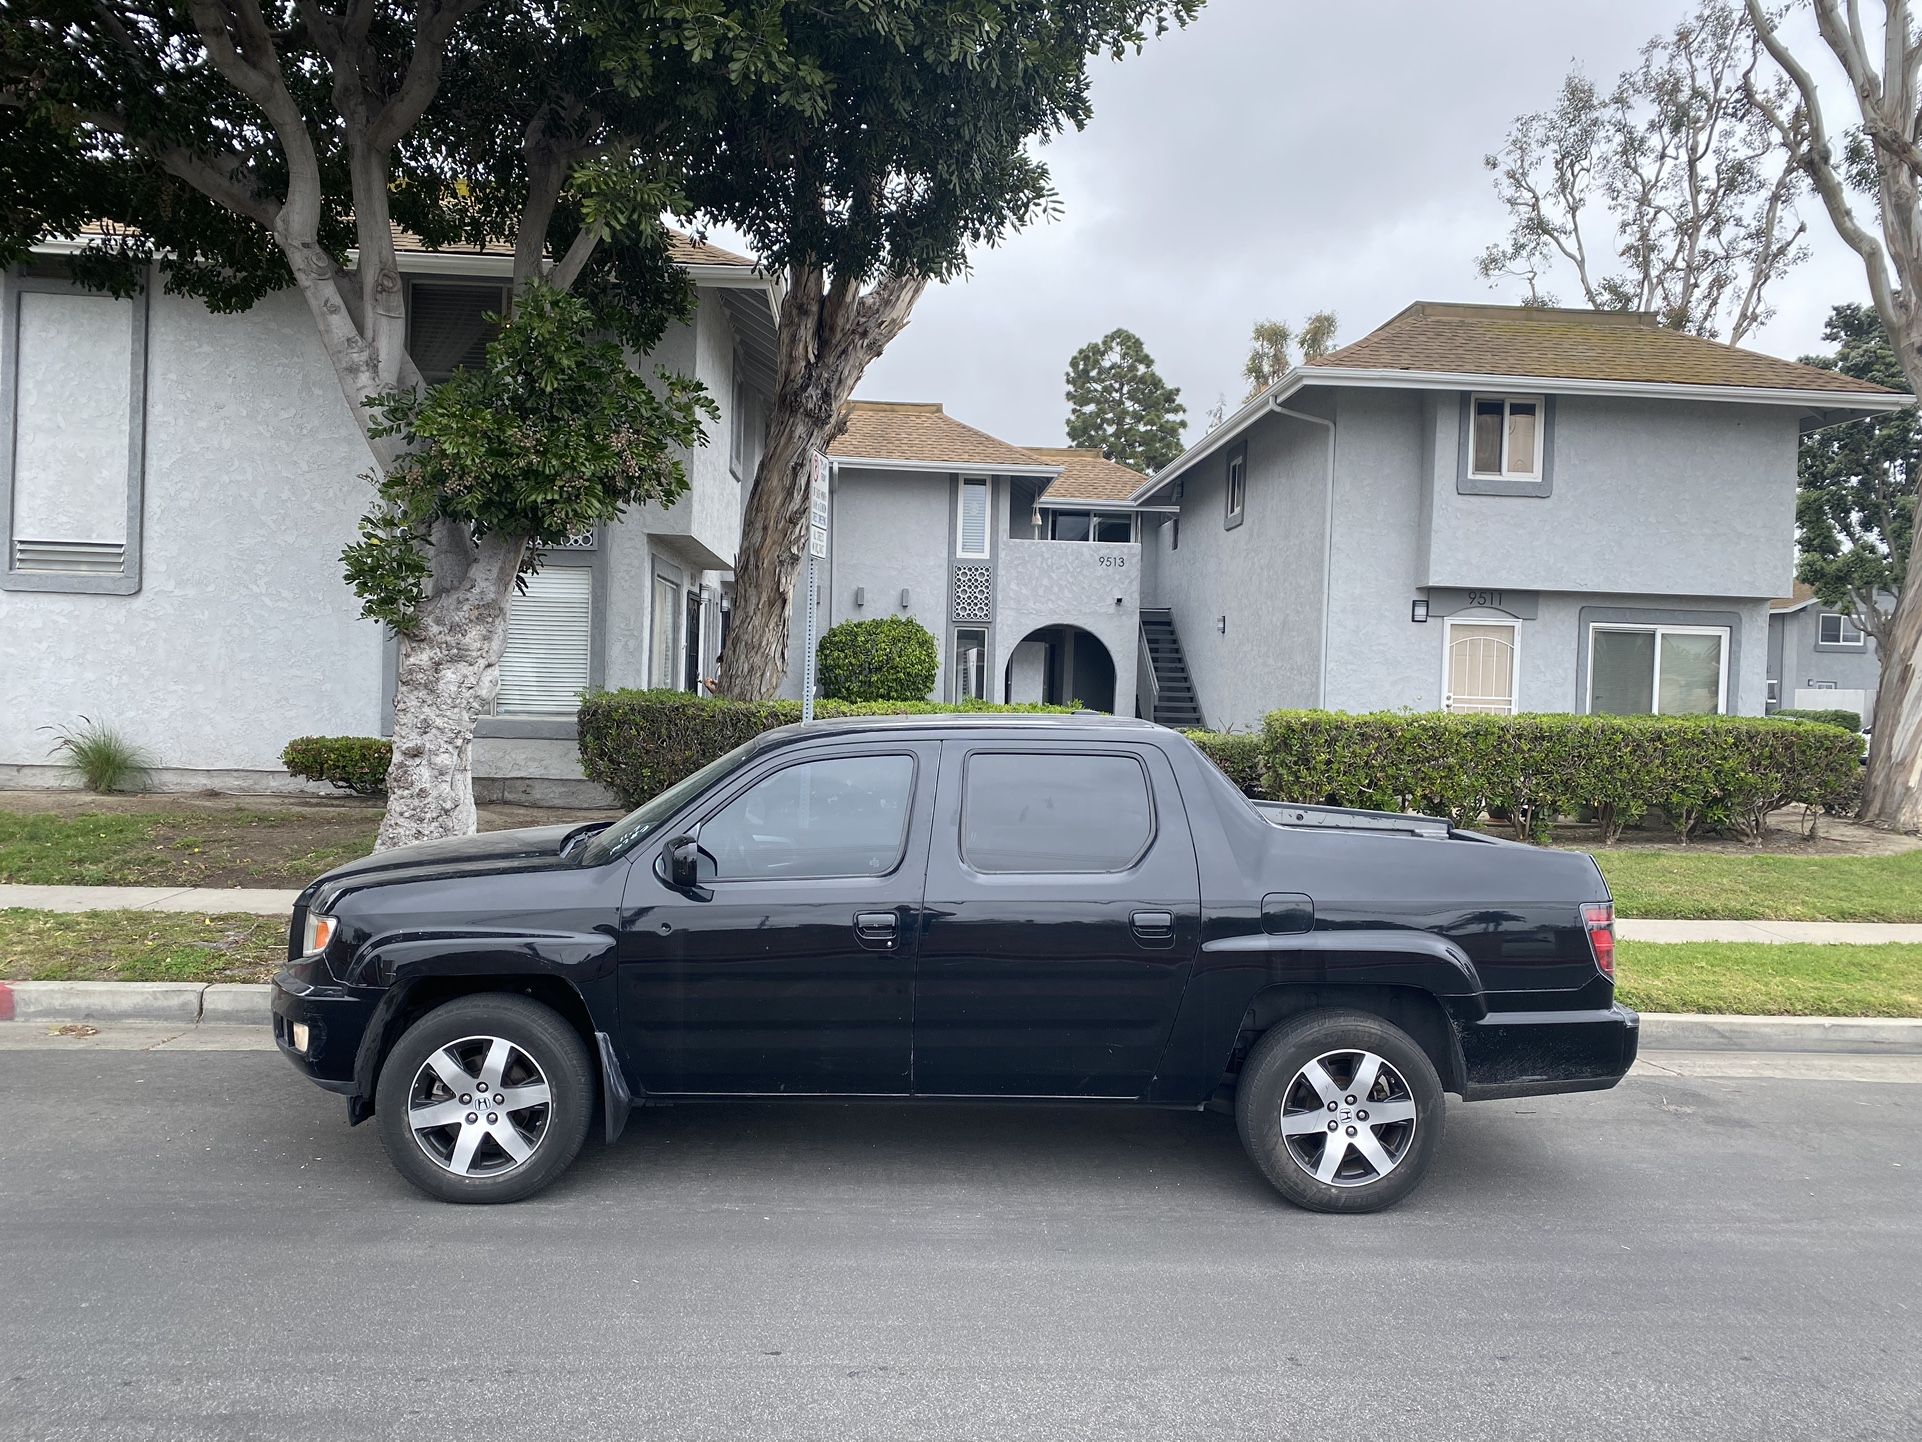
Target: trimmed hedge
639, 743
888, 658
1237, 753
353, 763
1837, 716
1706, 772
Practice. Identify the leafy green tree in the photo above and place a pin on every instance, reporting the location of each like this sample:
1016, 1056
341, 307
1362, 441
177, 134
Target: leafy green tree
862, 148
1269, 357
1855, 503
1119, 404
233, 148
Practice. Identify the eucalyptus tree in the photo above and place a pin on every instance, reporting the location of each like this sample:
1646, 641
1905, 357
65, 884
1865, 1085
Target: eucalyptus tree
238, 147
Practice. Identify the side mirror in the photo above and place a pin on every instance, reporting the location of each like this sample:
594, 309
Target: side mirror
682, 859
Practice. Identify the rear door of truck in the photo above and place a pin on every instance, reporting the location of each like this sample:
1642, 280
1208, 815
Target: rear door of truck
1063, 918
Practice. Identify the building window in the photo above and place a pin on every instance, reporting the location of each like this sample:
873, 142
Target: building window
1479, 667
663, 635
1174, 534
1658, 670
1506, 441
448, 326
1237, 484
1090, 526
970, 664
550, 631
1837, 630
73, 380
972, 530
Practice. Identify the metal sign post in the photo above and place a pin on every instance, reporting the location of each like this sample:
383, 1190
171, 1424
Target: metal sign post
817, 552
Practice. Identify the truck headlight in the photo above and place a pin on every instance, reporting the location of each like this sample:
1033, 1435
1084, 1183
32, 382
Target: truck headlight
319, 931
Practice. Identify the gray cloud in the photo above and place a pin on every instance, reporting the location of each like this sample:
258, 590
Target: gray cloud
1276, 158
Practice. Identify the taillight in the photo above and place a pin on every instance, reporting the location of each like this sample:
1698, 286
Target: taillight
1598, 918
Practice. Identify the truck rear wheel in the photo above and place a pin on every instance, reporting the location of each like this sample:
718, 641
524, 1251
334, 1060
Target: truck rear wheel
1341, 1111
485, 1099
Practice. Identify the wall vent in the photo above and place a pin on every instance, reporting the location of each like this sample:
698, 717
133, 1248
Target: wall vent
91, 558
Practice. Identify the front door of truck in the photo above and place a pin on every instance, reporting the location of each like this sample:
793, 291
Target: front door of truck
1063, 919
786, 968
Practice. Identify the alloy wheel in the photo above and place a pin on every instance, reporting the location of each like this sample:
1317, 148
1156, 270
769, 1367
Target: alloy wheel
479, 1107
1348, 1118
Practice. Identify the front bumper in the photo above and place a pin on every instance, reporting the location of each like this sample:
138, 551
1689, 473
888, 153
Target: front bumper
1532, 1053
336, 1018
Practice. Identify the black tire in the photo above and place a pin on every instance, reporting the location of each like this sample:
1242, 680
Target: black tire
540, 1042
1274, 1079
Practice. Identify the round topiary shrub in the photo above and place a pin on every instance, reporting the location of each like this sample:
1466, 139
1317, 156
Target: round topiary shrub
890, 658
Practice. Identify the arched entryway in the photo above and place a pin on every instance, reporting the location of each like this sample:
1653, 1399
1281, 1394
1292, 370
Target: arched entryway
1057, 665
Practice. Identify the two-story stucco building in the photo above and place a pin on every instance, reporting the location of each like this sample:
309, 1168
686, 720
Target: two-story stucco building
1023, 562
176, 488
1820, 658
1489, 508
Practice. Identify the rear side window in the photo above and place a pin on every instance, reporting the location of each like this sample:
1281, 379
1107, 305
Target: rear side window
1043, 813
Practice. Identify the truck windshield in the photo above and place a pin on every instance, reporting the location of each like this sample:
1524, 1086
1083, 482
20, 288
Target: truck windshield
652, 815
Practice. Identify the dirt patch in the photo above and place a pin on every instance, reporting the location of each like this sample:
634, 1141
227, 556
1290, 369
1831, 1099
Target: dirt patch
1836, 836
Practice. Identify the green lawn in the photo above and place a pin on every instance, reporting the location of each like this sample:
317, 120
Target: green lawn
139, 946
1761, 979
182, 848
1737, 887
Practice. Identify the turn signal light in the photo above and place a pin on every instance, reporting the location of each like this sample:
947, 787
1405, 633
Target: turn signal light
1598, 918
320, 931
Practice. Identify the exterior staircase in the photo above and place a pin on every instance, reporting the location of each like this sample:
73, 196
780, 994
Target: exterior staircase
1166, 690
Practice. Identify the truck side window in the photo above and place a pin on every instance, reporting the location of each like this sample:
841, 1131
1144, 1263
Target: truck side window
1054, 812
839, 816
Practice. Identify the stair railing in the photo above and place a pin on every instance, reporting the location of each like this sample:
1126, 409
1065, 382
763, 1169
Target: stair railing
1145, 667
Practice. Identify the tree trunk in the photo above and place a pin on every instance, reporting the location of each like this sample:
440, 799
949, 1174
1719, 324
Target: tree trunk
449, 675
1892, 790
827, 336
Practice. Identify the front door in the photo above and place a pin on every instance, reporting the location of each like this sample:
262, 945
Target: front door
1063, 918
788, 968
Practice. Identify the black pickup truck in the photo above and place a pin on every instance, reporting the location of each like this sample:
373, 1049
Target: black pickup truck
1044, 908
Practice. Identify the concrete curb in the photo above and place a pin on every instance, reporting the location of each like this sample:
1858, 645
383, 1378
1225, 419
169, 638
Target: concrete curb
1688, 1031
179, 1003
190, 1003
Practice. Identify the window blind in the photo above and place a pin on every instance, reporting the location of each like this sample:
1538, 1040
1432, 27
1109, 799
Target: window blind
549, 643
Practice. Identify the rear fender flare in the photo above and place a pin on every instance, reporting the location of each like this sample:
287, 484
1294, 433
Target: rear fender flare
1420, 960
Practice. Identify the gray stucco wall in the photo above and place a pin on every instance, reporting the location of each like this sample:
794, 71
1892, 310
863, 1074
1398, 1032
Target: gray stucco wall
1648, 495
1264, 576
242, 634
1070, 583
1798, 660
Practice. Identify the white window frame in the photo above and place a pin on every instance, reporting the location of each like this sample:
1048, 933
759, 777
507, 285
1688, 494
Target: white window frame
1094, 514
1655, 688
1449, 624
1237, 486
1541, 431
958, 692
1844, 624
961, 514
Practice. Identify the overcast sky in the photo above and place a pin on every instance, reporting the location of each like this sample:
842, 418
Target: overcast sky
1277, 157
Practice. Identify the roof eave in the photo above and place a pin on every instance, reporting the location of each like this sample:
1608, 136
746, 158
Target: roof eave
976, 468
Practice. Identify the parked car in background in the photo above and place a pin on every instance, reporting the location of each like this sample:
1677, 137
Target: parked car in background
1042, 908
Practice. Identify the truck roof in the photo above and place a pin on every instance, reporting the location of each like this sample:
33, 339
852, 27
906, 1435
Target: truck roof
1052, 725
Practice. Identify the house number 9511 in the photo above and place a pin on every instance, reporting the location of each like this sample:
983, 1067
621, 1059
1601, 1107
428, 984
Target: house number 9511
1485, 598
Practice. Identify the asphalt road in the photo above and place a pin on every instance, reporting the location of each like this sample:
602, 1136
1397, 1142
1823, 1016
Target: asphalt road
193, 1244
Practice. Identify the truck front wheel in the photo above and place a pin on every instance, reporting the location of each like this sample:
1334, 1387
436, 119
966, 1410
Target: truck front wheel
1341, 1111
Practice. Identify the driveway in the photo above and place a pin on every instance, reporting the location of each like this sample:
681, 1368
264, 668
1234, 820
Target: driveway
193, 1244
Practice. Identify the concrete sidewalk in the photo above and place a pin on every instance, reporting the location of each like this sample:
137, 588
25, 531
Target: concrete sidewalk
209, 900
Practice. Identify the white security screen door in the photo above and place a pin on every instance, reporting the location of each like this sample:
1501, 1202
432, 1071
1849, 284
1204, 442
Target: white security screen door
1480, 674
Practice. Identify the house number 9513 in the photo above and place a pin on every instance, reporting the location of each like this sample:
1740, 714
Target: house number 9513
1114, 563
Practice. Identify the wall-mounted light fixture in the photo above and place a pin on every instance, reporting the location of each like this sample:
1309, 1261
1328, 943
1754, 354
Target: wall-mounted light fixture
1418, 609
1120, 601
860, 595
1221, 624
904, 598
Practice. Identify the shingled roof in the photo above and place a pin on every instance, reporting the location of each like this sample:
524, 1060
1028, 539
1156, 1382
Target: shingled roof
920, 433
1588, 345
1087, 475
